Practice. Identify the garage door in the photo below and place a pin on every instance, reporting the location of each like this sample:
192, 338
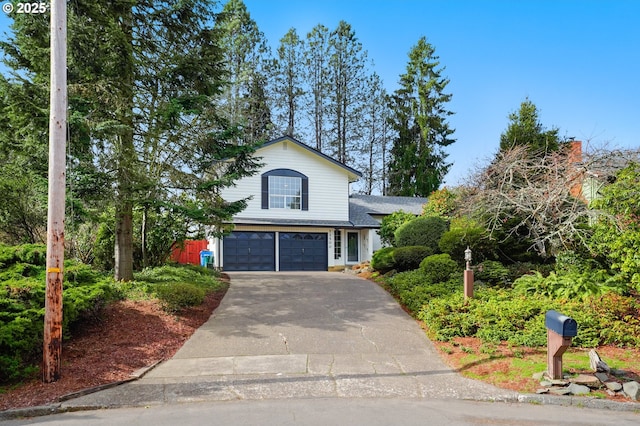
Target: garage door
303, 251
249, 251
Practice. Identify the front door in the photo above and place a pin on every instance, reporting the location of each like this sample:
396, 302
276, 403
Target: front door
352, 247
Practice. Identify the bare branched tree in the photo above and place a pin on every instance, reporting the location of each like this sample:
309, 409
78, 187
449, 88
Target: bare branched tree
537, 197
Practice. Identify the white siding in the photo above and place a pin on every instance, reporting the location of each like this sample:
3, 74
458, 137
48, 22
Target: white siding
328, 185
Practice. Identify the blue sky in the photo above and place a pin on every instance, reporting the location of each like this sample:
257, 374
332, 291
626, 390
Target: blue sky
578, 61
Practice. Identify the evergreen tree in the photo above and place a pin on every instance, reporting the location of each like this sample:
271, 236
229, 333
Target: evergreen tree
145, 134
347, 65
316, 62
288, 74
245, 57
525, 129
417, 165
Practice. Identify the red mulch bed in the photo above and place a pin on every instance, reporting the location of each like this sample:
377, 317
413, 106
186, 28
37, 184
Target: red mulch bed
129, 335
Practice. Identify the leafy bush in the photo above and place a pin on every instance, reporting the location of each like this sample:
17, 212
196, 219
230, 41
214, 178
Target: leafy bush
465, 233
439, 268
442, 202
391, 223
574, 285
178, 296
382, 260
495, 315
407, 258
493, 273
22, 298
414, 288
422, 231
617, 232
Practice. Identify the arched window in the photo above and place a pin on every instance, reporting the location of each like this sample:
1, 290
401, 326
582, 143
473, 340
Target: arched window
285, 189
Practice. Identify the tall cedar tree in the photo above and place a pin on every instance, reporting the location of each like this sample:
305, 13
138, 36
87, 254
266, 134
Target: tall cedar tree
417, 166
143, 125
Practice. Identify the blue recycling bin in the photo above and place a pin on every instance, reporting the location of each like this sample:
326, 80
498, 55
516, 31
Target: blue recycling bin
206, 258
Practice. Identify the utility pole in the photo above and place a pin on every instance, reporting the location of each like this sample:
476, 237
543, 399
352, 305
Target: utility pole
57, 169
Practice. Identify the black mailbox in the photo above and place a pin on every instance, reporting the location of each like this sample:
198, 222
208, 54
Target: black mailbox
561, 324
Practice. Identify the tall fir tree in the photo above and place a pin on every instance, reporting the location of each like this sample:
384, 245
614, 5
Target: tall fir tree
245, 57
347, 67
289, 89
418, 162
526, 129
316, 63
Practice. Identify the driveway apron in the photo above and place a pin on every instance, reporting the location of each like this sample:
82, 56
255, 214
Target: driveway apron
301, 334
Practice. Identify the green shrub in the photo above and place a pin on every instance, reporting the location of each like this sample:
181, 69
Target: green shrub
177, 296
439, 267
414, 288
391, 223
382, 260
422, 231
408, 258
465, 233
492, 273
574, 285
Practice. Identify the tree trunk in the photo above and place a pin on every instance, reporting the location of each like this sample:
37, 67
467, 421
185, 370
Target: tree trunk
124, 241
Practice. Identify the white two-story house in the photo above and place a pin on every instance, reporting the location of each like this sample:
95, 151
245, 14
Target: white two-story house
301, 216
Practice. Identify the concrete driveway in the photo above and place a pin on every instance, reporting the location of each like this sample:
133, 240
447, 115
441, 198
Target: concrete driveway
300, 335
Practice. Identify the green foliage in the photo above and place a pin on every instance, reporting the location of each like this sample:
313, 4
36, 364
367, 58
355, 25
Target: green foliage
178, 296
502, 315
493, 273
441, 202
572, 285
407, 258
422, 231
391, 223
465, 233
617, 231
418, 163
525, 129
382, 260
439, 268
415, 288
22, 299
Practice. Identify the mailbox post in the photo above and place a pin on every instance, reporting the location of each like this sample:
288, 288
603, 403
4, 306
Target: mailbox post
560, 331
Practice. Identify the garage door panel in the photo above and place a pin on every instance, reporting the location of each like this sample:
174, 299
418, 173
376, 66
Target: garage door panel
249, 251
303, 251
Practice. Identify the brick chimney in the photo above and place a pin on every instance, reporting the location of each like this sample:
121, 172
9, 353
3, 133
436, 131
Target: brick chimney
575, 152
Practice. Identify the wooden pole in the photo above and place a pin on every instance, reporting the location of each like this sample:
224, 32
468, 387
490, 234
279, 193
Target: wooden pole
55, 217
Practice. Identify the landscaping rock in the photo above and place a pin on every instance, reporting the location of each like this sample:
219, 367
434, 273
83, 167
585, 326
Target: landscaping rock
587, 380
613, 386
597, 364
603, 377
632, 390
577, 389
560, 391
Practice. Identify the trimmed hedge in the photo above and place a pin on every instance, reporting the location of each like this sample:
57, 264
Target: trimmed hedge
382, 260
422, 231
408, 258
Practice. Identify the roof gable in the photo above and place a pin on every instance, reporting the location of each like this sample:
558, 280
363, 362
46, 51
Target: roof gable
353, 173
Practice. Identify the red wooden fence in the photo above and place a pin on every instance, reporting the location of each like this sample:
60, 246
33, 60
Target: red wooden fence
190, 253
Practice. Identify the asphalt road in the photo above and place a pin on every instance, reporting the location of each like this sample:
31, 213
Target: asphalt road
342, 411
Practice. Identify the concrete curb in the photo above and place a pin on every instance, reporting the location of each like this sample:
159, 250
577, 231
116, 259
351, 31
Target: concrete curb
558, 400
